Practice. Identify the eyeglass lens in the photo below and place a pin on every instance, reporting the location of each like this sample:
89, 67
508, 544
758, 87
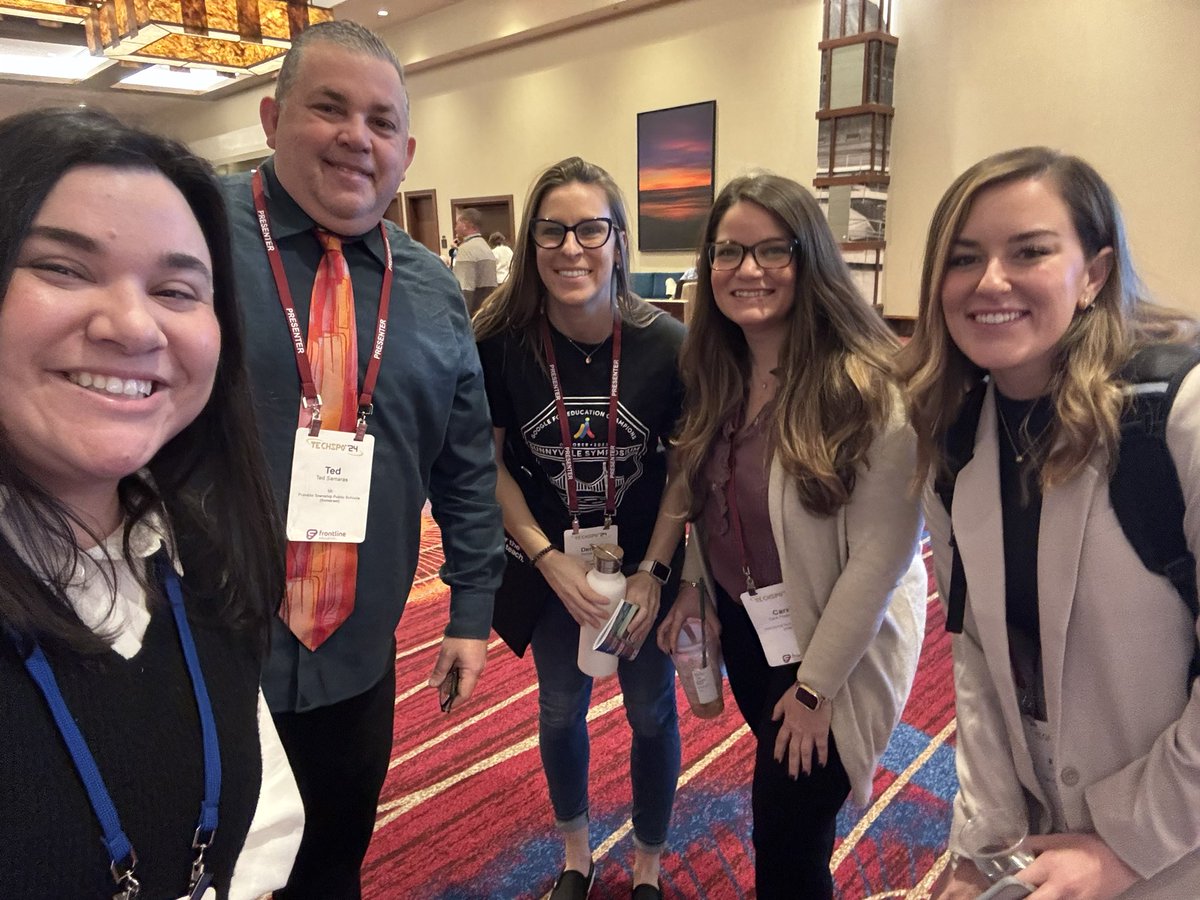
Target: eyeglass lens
590, 233
774, 253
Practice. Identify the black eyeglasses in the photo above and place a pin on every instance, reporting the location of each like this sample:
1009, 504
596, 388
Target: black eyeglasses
773, 253
590, 233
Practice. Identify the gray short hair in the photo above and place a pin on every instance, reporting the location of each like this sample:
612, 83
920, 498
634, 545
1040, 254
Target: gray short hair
471, 216
343, 33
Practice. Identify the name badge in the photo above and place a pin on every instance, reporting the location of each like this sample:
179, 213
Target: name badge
580, 545
331, 486
771, 615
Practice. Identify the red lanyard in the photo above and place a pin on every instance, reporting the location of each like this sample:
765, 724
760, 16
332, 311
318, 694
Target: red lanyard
735, 519
308, 387
610, 481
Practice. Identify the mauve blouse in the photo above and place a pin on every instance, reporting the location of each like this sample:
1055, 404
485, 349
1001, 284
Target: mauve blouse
752, 468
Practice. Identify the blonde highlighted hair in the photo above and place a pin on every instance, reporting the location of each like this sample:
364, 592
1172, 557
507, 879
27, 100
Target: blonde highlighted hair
834, 372
1085, 389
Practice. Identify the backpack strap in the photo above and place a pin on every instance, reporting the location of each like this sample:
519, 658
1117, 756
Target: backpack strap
1145, 491
957, 449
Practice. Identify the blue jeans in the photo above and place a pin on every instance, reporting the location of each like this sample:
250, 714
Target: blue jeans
564, 692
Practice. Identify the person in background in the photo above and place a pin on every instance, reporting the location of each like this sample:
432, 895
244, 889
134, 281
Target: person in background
503, 253
139, 551
578, 369
1077, 709
393, 371
474, 264
796, 454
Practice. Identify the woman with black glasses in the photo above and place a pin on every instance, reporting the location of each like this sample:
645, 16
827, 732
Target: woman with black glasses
583, 383
796, 456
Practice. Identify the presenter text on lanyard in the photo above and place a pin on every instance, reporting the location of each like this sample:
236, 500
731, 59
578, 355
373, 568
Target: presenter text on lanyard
331, 470
578, 541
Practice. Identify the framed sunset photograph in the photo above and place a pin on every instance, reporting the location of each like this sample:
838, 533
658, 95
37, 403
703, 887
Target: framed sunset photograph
676, 150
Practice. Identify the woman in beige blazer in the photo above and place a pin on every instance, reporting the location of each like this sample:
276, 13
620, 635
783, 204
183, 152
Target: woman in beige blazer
1075, 705
796, 450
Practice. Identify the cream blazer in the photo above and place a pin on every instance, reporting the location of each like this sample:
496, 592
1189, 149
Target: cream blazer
1117, 641
858, 592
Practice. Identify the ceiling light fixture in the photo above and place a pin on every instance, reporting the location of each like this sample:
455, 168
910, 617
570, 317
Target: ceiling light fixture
230, 35
239, 36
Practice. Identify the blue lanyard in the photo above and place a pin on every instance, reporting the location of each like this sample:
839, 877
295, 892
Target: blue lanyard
120, 850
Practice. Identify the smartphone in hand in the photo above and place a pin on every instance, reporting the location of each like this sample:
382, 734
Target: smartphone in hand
448, 690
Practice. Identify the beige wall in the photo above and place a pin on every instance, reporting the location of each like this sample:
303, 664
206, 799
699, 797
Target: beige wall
1116, 81
490, 125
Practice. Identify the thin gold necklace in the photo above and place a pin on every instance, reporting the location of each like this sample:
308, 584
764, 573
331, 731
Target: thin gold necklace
1034, 444
586, 354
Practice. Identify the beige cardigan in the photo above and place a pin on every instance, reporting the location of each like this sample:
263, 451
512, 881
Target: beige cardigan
1124, 722
858, 591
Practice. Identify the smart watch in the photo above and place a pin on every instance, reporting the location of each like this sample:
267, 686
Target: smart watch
658, 571
808, 697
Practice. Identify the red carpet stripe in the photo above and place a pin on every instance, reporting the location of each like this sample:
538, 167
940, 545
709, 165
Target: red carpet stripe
464, 811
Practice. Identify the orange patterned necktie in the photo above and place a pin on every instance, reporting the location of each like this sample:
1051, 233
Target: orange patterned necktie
321, 576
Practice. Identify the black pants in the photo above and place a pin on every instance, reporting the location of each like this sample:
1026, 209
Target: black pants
339, 755
795, 821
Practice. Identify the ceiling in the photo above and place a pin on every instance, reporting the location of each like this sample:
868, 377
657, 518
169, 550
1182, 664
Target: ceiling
18, 95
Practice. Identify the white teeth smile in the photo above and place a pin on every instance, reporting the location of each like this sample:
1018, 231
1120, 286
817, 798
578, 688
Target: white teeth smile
997, 318
746, 295
110, 384
572, 273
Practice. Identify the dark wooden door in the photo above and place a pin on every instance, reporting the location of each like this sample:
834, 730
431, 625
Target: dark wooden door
420, 209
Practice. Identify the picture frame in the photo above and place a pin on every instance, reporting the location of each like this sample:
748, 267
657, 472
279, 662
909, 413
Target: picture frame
676, 166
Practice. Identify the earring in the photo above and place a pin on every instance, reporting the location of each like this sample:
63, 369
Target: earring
1085, 302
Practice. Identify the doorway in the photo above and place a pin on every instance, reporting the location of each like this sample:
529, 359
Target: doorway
497, 213
420, 209
394, 213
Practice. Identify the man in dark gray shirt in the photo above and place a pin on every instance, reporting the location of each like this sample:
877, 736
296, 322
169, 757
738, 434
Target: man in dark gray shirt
338, 124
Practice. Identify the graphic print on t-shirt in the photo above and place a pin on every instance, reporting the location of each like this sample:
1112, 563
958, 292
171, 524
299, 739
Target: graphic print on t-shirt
587, 418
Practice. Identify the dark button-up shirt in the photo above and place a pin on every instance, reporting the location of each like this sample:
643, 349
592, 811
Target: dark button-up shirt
433, 438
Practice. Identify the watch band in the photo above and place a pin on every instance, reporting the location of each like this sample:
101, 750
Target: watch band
808, 697
660, 572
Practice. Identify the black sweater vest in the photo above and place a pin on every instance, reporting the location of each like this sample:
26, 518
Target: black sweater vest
139, 719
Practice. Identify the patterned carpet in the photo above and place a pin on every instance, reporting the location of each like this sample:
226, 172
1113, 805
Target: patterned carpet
465, 813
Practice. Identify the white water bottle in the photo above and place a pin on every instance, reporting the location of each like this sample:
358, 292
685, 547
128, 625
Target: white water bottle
606, 579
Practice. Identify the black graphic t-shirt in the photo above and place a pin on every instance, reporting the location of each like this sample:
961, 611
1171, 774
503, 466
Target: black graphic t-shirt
650, 397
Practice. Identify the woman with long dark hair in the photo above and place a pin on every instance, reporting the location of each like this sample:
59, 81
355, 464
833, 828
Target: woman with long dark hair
139, 552
796, 455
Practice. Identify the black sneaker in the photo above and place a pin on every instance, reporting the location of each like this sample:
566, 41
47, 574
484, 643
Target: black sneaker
572, 885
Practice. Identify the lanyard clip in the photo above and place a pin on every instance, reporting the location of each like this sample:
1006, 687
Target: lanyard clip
608, 520
128, 887
360, 429
314, 424
200, 842
751, 588
575, 524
